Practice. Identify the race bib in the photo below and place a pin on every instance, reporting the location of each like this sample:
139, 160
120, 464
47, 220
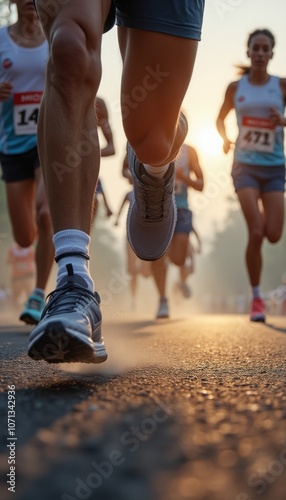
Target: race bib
26, 111
257, 134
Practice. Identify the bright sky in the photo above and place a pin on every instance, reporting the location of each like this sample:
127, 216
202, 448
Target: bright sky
227, 24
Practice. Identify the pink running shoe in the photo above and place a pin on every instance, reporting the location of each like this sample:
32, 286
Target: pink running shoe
257, 311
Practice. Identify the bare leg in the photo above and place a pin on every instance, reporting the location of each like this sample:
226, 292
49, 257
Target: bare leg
273, 205
248, 199
157, 70
151, 121
159, 272
94, 209
69, 154
44, 249
189, 265
68, 143
177, 251
20, 200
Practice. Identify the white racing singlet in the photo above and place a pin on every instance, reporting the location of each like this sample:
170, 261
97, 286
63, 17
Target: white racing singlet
259, 142
25, 69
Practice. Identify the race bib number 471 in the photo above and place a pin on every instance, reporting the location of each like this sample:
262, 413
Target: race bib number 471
26, 111
257, 134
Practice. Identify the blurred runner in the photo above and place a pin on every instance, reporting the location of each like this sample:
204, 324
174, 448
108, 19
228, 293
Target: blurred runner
258, 169
23, 56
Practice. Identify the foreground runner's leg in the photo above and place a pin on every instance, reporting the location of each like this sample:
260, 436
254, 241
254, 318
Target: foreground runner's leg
70, 327
159, 67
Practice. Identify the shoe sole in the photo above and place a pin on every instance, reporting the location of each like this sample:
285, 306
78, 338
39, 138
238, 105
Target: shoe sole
28, 319
58, 345
258, 319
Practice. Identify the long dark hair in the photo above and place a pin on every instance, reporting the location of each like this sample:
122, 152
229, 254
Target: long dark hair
244, 70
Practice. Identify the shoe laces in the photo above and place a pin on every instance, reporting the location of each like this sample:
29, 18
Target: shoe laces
69, 298
151, 199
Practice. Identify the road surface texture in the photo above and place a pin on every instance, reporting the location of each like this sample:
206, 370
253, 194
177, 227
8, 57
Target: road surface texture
188, 408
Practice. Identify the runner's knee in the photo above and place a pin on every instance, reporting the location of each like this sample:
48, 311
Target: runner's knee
273, 235
43, 220
256, 236
152, 148
73, 64
178, 260
25, 237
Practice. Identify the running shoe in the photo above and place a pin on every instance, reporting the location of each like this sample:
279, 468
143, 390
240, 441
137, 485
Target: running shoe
163, 309
152, 213
257, 311
185, 289
33, 309
70, 327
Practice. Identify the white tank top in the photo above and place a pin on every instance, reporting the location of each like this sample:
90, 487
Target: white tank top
25, 69
258, 141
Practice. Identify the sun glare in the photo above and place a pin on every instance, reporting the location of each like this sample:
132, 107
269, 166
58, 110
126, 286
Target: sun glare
209, 141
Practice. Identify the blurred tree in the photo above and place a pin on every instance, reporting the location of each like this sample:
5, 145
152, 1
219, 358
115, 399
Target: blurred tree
5, 12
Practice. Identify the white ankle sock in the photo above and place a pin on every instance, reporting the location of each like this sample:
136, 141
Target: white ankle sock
157, 172
69, 241
256, 293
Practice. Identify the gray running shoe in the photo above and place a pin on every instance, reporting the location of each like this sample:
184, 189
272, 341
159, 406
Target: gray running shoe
70, 328
152, 214
163, 309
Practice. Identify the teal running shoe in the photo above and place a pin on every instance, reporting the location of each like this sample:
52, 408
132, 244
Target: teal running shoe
33, 309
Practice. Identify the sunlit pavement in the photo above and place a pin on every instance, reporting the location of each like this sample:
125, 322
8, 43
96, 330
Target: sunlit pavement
186, 408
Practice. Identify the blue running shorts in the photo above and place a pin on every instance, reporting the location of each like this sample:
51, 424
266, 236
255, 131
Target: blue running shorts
264, 179
184, 221
182, 18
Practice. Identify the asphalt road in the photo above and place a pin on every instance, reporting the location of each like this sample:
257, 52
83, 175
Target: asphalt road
183, 409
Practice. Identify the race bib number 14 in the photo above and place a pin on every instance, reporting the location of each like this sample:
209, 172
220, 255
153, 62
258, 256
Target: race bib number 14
26, 111
257, 134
